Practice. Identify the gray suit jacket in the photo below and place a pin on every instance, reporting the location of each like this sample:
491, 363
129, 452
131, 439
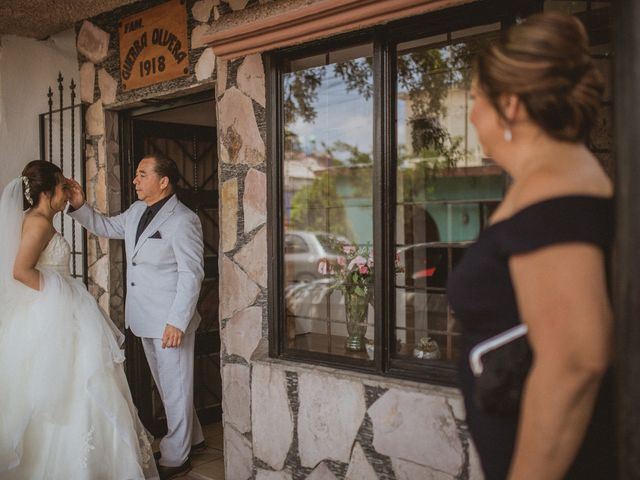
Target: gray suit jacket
164, 274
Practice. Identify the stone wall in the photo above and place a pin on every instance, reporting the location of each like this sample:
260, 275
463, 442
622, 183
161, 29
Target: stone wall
317, 423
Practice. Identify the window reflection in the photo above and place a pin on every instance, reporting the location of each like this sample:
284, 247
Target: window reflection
447, 189
328, 174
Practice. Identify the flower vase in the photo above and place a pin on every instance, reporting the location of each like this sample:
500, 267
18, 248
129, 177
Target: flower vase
356, 312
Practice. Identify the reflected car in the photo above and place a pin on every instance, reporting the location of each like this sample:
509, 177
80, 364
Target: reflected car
303, 252
421, 300
428, 264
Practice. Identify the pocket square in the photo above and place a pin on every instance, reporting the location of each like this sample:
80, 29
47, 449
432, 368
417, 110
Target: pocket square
156, 235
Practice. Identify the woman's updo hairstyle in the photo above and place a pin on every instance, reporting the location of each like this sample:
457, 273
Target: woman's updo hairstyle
545, 61
39, 176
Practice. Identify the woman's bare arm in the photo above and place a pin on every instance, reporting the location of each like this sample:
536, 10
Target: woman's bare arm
562, 297
36, 234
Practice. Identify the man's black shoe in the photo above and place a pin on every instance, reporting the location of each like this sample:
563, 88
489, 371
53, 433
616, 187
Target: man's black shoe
198, 448
166, 473
195, 449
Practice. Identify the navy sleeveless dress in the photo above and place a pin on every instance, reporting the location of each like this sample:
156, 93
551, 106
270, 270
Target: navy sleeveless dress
481, 293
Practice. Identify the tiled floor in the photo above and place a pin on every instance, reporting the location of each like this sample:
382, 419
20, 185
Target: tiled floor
208, 465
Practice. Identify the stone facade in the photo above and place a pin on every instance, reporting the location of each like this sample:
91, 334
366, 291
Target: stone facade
281, 420
307, 422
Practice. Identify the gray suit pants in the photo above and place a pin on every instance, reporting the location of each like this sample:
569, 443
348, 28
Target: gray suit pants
172, 370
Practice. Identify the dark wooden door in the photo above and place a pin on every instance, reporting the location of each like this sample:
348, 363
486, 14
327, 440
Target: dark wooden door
194, 149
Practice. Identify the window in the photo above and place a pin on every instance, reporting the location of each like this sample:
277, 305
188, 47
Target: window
446, 189
375, 163
328, 179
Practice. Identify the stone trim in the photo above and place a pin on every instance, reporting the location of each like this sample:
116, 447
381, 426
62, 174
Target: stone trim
261, 357
306, 22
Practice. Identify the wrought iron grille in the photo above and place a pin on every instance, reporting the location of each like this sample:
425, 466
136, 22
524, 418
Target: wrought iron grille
62, 142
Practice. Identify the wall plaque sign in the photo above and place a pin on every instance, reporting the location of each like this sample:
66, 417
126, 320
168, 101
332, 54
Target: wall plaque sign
154, 46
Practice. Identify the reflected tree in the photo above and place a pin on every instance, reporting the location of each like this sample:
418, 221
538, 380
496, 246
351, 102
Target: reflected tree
318, 207
300, 93
425, 75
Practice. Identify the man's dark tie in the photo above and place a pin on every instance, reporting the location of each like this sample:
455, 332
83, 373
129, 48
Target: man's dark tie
144, 222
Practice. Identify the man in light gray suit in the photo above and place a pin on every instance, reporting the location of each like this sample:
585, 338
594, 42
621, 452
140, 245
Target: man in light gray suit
164, 253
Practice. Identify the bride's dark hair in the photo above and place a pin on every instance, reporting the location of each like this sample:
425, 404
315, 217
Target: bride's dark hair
41, 176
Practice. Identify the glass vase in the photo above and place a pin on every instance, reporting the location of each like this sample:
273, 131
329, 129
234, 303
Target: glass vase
356, 310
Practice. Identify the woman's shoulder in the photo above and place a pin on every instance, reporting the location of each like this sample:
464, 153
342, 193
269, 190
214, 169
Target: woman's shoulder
38, 225
584, 178
34, 220
551, 210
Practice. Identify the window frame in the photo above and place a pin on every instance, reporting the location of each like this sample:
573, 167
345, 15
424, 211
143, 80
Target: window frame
385, 40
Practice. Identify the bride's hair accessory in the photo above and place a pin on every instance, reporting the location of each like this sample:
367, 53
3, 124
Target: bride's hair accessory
27, 189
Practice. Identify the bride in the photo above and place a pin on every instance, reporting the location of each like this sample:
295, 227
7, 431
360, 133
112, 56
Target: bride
65, 408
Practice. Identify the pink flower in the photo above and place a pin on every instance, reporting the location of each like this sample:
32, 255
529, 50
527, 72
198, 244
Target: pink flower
348, 249
359, 260
363, 269
323, 267
342, 261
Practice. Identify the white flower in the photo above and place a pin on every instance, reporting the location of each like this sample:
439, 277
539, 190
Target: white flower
323, 267
359, 260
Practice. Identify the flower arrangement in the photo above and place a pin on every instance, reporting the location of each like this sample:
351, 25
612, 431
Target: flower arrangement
354, 271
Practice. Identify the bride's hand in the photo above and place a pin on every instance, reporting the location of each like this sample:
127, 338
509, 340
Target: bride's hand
76, 195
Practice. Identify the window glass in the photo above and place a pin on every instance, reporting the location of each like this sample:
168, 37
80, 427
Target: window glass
446, 190
294, 244
328, 177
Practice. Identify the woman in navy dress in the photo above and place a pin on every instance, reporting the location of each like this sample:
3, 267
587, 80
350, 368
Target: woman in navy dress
542, 261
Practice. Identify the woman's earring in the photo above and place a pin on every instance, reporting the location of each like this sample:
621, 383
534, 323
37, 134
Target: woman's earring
508, 136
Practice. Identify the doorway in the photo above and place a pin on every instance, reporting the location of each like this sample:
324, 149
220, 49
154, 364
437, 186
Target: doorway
184, 130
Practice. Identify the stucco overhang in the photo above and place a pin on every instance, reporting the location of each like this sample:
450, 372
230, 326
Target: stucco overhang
275, 25
41, 18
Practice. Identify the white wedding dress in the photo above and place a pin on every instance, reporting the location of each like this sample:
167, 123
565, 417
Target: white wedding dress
65, 407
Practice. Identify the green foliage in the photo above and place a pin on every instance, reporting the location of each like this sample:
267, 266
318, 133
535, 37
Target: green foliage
300, 93
435, 152
359, 179
358, 75
427, 75
319, 208
356, 157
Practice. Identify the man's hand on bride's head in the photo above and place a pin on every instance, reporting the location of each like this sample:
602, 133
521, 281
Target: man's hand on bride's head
76, 195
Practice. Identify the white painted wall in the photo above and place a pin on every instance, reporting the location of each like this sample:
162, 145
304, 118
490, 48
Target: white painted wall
27, 68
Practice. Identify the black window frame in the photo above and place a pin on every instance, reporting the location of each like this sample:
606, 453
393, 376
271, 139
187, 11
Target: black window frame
385, 40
